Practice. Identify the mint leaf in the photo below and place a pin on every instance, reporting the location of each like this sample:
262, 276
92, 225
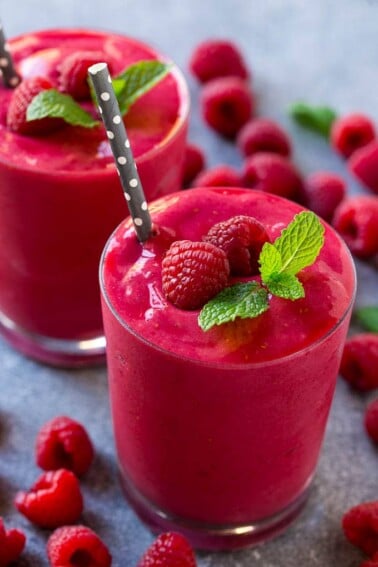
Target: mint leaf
270, 261
136, 80
53, 104
368, 317
318, 119
286, 286
242, 300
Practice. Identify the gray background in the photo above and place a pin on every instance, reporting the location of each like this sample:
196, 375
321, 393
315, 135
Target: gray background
325, 52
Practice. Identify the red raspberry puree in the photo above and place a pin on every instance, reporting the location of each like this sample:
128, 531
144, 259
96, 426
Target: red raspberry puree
60, 195
220, 429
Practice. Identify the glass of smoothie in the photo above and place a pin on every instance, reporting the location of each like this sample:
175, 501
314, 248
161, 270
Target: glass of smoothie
60, 197
218, 433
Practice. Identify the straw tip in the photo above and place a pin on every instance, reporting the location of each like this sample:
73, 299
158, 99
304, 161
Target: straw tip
97, 67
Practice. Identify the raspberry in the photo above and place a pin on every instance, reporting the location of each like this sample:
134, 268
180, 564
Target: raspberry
77, 546
373, 562
194, 162
74, 72
360, 525
12, 543
364, 165
263, 135
242, 239
359, 363
227, 104
54, 500
323, 192
217, 58
64, 443
169, 550
272, 173
349, 133
356, 220
193, 272
371, 420
21, 98
219, 176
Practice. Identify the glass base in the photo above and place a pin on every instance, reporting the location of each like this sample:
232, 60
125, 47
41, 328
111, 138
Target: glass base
215, 537
56, 352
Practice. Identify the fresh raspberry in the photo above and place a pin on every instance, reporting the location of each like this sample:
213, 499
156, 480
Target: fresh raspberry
373, 562
193, 272
77, 546
194, 162
323, 192
63, 443
364, 165
21, 98
12, 543
356, 220
263, 135
218, 176
351, 132
371, 420
73, 78
226, 104
217, 58
169, 550
272, 173
360, 525
242, 239
54, 500
359, 363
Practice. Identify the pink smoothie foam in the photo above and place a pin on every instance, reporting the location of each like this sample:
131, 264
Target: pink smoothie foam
222, 427
60, 196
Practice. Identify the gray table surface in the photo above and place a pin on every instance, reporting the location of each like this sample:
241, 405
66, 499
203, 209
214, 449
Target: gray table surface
325, 52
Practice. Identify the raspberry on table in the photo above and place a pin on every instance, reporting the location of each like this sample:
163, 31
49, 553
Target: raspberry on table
263, 135
323, 192
64, 443
350, 133
12, 543
54, 500
218, 176
360, 526
227, 104
359, 362
21, 98
371, 420
77, 546
194, 162
73, 77
242, 238
364, 166
170, 549
215, 58
356, 220
193, 273
272, 173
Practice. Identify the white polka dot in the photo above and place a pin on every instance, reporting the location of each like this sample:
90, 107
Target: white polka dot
110, 134
117, 119
138, 221
127, 143
100, 109
105, 96
14, 81
109, 79
133, 182
144, 206
122, 160
128, 197
4, 62
94, 69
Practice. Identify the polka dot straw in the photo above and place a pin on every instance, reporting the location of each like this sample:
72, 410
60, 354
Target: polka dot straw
120, 145
10, 77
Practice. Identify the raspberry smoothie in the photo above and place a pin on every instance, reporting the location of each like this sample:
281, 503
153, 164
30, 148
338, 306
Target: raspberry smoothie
218, 433
60, 197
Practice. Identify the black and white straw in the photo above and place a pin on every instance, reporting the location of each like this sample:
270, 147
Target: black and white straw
10, 76
120, 145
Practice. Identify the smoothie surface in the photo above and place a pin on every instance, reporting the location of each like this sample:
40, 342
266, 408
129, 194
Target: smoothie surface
149, 121
132, 282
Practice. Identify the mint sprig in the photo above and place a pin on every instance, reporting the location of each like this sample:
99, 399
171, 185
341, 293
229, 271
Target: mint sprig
296, 248
318, 119
53, 104
368, 317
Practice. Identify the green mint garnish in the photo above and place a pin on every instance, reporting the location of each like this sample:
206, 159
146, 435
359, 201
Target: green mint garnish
296, 248
368, 317
51, 103
319, 119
